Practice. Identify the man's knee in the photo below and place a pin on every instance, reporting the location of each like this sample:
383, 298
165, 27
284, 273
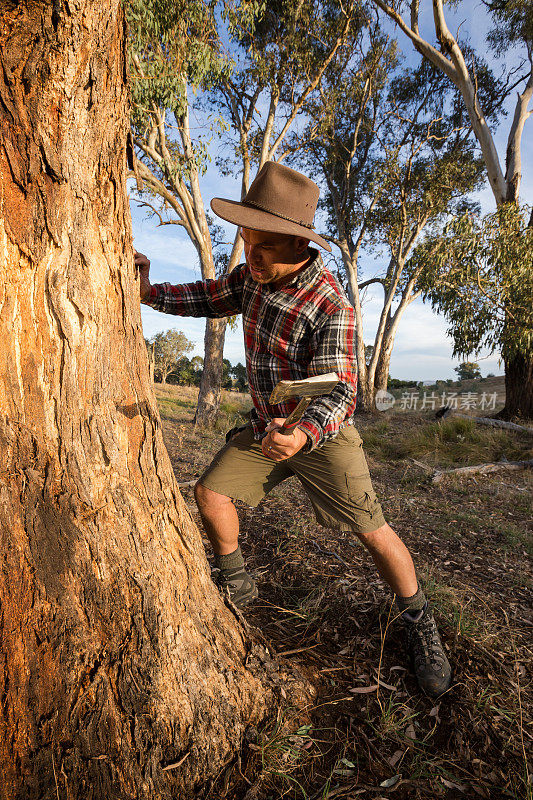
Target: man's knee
375, 535
207, 498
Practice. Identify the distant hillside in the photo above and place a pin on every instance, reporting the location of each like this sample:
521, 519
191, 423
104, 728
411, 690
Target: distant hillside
475, 396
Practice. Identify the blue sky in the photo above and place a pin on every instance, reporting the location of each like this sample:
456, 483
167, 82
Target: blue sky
422, 350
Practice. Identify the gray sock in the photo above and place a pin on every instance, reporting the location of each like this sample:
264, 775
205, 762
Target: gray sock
231, 560
412, 608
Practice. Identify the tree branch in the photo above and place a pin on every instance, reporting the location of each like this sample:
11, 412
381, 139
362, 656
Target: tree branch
513, 173
158, 214
312, 85
423, 47
457, 71
369, 281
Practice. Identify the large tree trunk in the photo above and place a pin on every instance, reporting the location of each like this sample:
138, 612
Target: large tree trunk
151, 365
518, 388
211, 381
365, 395
381, 378
519, 366
117, 656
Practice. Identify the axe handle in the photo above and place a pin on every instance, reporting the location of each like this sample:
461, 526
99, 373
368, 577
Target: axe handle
295, 416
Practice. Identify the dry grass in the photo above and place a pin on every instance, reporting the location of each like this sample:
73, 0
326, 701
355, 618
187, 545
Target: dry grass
174, 400
445, 443
323, 605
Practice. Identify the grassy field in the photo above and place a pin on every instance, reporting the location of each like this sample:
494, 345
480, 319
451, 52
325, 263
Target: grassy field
368, 733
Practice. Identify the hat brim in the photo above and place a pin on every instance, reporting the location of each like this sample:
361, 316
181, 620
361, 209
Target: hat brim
257, 220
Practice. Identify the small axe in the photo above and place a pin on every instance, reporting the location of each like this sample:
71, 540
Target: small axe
306, 389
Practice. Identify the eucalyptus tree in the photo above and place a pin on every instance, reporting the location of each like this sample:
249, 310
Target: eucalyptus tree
122, 672
282, 56
167, 348
174, 53
394, 157
513, 29
424, 174
276, 54
479, 272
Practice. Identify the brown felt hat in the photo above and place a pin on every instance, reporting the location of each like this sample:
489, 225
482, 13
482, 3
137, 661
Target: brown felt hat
280, 200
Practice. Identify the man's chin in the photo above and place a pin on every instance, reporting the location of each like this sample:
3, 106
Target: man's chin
260, 277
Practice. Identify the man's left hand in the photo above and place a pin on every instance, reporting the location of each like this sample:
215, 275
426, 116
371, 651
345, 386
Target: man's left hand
278, 446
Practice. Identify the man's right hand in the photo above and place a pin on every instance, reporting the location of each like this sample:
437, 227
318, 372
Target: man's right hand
142, 264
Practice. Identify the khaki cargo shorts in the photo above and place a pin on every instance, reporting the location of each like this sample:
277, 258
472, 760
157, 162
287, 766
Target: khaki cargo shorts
335, 478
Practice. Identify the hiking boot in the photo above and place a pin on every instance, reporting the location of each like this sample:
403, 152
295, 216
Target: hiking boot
240, 587
431, 667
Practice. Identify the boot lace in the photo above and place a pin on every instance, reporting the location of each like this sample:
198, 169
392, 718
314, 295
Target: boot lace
424, 643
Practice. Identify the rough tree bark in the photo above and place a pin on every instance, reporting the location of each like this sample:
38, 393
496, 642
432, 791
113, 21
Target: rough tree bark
117, 656
151, 364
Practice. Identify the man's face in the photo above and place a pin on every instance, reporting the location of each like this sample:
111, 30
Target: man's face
273, 257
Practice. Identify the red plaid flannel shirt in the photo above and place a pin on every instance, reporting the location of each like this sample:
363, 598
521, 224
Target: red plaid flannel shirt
305, 328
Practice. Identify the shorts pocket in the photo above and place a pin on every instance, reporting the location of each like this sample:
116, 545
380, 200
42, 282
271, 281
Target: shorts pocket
361, 494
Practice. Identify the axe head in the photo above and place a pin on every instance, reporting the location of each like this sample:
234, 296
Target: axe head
307, 387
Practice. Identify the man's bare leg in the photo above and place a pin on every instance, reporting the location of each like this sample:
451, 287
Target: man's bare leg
221, 524
395, 565
220, 519
392, 559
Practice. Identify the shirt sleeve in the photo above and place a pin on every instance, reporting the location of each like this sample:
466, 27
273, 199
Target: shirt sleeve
221, 297
333, 350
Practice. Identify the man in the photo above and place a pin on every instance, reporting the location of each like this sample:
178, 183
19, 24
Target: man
297, 323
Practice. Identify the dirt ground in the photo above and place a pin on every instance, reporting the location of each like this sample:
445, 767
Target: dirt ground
369, 733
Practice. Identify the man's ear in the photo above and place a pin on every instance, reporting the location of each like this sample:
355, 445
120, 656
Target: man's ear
301, 245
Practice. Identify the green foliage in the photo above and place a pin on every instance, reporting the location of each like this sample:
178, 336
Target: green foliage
344, 119
429, 164
187, 372
279, 55
468, 370
226, 374
479, 273
242, 17
514, 24
241, 380
396, 383
173, 43
393, 150
168, 348
280, 44
394, 142
174, 51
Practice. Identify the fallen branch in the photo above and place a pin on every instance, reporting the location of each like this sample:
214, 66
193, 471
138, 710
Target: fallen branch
483, 468
495, 423
423, 466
